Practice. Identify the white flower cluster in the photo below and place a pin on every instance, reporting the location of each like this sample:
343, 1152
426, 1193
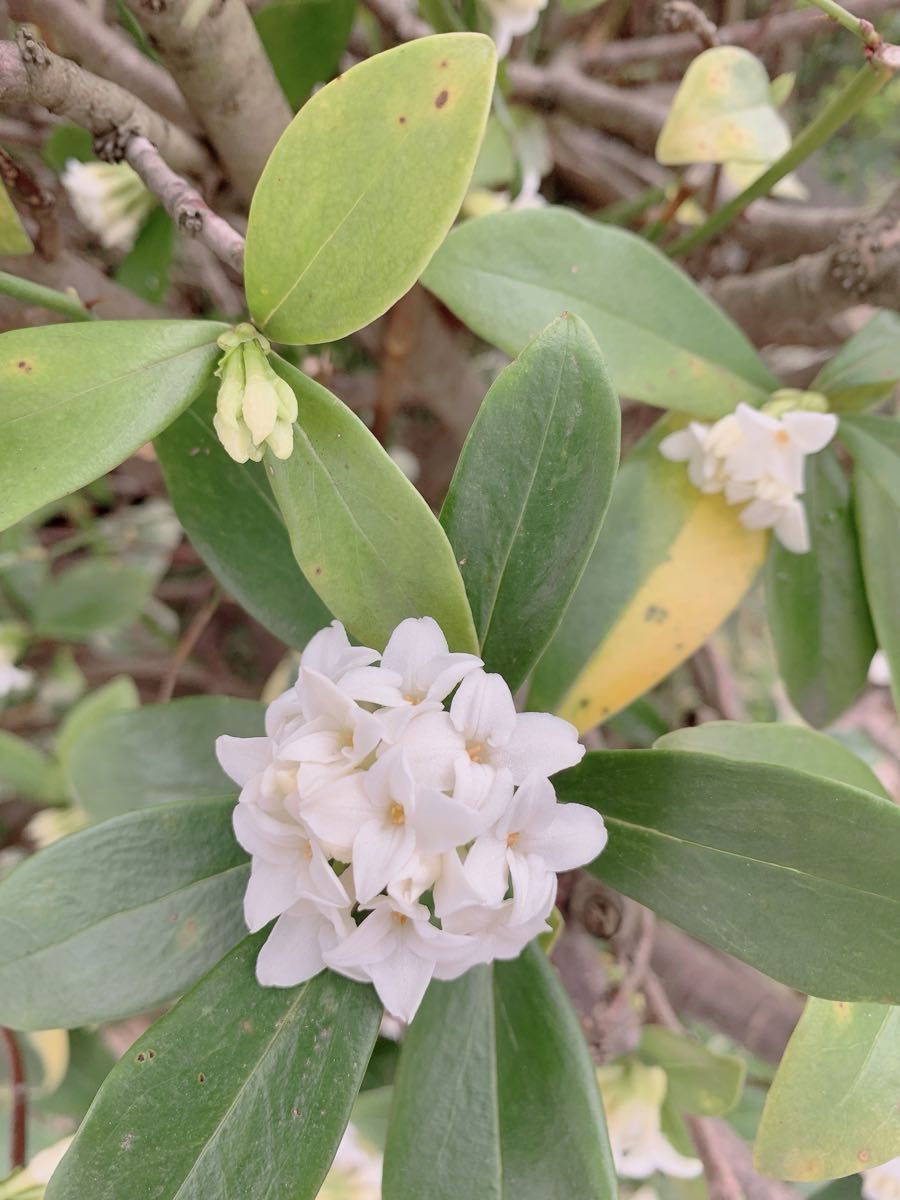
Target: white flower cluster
394, 838
757, 459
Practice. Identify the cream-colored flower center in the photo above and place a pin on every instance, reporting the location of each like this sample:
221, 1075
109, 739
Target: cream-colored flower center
397, 813
476, 751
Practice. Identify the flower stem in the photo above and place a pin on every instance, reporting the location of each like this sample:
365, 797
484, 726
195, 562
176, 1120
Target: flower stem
844, 17
35, 293
869, 79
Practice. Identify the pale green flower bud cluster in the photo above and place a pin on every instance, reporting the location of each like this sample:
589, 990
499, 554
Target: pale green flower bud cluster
255, 408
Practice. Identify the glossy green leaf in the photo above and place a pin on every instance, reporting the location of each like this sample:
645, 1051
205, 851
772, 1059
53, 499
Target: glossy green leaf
92, 596
244, 541
866, 369
669, 566
817, 605
832, 1108
238, 1087
794, 874
145, 268
363, 186
75, 400
363, 536
159, 754
121, 916
496, 1095
119, 695
530, 493
26, 771
779, 746
13, 238
700, 1080
874, 443
508, 275
304, 40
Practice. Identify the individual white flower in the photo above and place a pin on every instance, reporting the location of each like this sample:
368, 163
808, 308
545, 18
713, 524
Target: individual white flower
396, 948
301, 938
336, 741
355, 1173
534, 836
772, 505
882, 1183
776, 447
14, 681
418, 661
513, 18
705, 449
632, 1097
484, 728
255, 408
109, 199
880, 670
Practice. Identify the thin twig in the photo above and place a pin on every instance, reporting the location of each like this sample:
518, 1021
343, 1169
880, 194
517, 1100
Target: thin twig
18, 1123
32, 74
108, 52
192, 215
189, 639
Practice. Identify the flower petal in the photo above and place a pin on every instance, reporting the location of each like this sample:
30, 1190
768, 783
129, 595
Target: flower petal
381, 851
483, 710
292, 952
575, 836
242, 759
810, 431
271, 890
542, 745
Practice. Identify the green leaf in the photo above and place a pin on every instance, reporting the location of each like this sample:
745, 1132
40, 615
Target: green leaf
496, 1095
700, 1080
508, 275
119, 695
817, 605
145, 269
530, 493
119, 917
832, 1108
244, 543
795, 875
669, 566
238, 1087
93, 595
75, 400
363, 536
67, 141
874, 443
26, 771
779, 746
158, 754
363, 185
13, 238
304, 40
866, 369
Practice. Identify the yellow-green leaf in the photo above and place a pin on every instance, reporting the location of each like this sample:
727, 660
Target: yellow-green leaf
670, 565
363, 186
13, 238
723, 112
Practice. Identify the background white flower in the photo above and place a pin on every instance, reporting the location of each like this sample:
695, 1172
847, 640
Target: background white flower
633, 1095
394, 839
882, 1183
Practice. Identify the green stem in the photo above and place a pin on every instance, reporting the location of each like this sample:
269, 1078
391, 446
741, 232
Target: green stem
838, 13
869, 79
35, 293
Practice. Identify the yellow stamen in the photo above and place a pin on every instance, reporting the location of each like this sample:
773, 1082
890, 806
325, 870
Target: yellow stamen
397, 813
782, 437
475, 750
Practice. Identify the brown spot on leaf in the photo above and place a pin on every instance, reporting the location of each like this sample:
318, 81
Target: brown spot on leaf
444, 63
201, 1078
864, 1156
141, 1057
127, 1141
441, 98
402, 120
25, 366
317, 571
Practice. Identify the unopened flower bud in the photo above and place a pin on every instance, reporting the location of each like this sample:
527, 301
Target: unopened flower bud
794, 400
255, 408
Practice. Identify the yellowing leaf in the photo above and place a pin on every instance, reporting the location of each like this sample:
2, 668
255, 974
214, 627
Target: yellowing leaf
52, 1048
741, 175
13, 238
670, 565
710, 566
723, 112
